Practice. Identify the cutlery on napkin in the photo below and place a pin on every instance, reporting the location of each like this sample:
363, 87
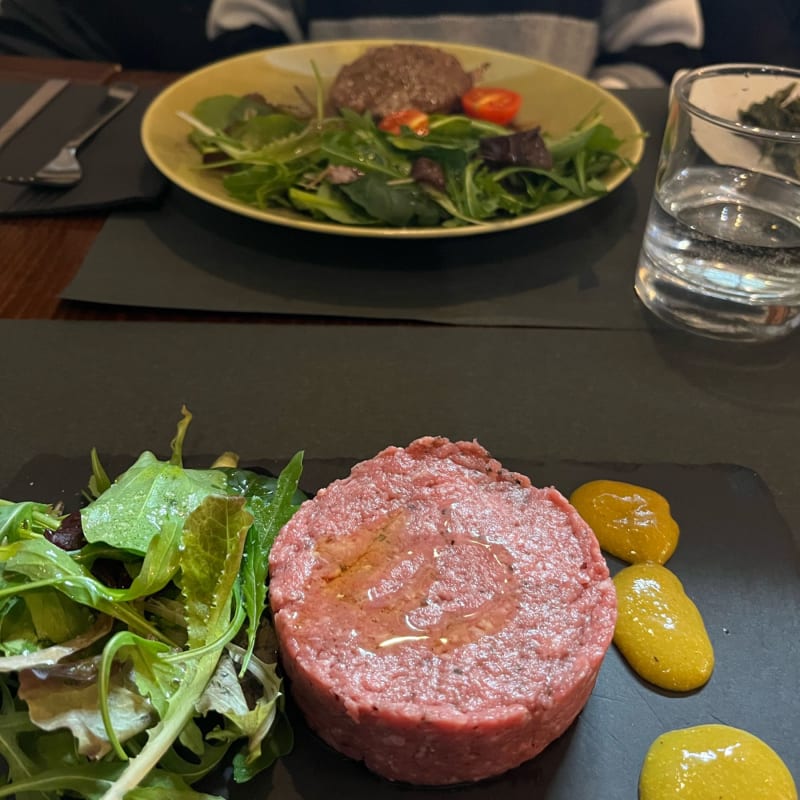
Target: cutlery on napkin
117, 170
31, 107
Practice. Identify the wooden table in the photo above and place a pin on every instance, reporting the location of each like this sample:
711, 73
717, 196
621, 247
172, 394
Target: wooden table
39, 256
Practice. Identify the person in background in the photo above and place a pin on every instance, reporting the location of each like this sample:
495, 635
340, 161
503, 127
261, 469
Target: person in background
617, 42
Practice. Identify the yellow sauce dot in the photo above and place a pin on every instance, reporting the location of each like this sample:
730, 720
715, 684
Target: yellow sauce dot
659, 630
714, 762
631, 522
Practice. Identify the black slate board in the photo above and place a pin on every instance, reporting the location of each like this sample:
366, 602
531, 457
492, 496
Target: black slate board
574, 271
735, 558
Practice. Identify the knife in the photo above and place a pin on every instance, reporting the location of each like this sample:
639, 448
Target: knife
31, 107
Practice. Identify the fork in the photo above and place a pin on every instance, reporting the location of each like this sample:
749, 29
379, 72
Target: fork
65, 170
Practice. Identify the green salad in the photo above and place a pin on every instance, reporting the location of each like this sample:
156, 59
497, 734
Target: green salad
135, 647
346, 168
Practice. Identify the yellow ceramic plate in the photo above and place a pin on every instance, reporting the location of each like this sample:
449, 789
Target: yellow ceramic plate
553, 98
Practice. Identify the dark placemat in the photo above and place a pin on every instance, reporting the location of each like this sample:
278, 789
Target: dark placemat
339, 388
575, 271
735, 559
117, 171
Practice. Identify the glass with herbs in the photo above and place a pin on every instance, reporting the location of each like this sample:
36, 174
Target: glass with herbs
721, 251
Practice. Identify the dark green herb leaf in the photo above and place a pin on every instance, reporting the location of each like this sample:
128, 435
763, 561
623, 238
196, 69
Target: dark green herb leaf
398, 205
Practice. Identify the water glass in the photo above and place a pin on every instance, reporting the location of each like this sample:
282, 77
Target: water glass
721, 251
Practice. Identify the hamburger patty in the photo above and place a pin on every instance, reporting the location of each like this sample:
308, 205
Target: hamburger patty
438, 616
399, 77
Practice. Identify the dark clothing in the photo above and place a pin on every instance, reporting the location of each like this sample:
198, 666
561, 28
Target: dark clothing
173, 34
767, 32
146, 34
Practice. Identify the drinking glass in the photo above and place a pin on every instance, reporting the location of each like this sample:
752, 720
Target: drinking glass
721, 251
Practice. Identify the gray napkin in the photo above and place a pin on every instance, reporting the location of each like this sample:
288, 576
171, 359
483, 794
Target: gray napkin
117, 171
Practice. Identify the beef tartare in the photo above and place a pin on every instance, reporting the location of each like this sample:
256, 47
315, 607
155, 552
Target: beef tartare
439, 617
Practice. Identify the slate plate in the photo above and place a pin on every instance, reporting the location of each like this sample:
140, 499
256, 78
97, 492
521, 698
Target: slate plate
736, 560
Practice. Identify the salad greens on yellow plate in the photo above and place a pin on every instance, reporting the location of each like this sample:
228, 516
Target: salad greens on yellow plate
231, 134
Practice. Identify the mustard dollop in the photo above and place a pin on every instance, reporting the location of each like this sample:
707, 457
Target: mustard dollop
714, 761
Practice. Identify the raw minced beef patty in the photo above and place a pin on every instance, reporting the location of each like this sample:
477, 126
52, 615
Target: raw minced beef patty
400, 77
438, 616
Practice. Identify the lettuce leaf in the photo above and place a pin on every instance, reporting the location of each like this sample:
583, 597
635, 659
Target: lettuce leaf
147, 497
214, 539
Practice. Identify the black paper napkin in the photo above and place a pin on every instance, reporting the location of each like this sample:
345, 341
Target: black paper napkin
117, 171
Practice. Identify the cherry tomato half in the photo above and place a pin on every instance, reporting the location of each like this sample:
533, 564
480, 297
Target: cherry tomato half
411, 118
491, 104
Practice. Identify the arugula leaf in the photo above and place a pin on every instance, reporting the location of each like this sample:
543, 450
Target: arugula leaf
55, 617
395, 204
13, 725
47, 656
328, 202
148, 496
218, 111
96, 780
262, 185
45, 565
259, 131
272, 505
288, 170
214, 540
20, 520
195, 544
99, 480
154, 679
225, 696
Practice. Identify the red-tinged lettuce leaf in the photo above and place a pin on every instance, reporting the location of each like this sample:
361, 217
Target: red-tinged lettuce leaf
150, 495
47, 656
56, 700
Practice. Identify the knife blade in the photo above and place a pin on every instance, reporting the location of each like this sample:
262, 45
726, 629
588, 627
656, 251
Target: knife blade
31, 107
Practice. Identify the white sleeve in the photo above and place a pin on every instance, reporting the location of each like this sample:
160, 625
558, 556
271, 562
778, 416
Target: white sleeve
276, 15
628, 23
